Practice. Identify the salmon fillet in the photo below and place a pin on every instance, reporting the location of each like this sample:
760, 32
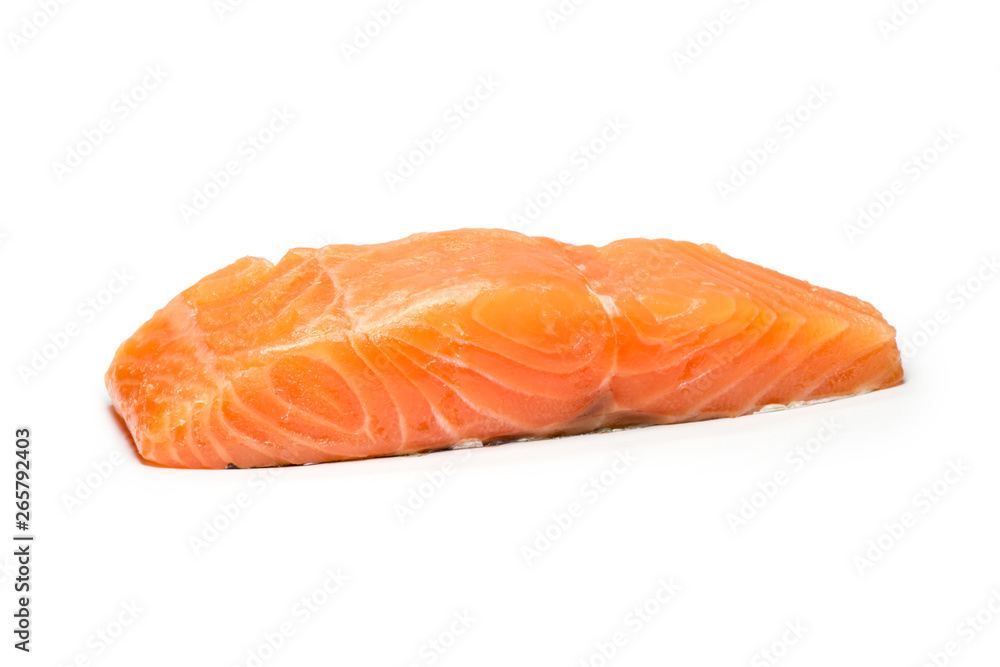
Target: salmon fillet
349, 352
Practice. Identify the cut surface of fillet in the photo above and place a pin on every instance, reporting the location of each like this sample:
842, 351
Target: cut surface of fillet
348, 352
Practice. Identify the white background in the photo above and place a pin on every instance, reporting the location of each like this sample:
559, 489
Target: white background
322, 180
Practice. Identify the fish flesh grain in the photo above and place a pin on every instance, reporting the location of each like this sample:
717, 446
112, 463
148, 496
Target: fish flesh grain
439, 339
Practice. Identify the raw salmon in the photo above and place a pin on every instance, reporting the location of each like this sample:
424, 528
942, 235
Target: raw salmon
348, 352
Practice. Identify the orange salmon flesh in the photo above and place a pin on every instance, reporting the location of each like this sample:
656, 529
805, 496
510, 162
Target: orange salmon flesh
357, 351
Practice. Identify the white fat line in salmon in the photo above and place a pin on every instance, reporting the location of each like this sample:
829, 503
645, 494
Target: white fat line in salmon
85, 313
922, 502
560, 522
230, 511
796, 458
634, 621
